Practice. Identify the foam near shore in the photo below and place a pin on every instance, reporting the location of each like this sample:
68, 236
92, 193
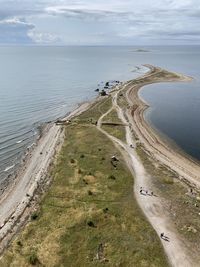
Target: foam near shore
15, 201
18, 194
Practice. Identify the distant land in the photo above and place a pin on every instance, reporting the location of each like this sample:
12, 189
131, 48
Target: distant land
141, 50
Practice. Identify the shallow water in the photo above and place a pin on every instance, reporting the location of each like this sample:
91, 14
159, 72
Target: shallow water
175, 107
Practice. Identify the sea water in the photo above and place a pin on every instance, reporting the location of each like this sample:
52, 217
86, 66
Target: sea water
40, 84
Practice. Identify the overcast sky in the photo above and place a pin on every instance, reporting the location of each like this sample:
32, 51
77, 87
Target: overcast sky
100, 22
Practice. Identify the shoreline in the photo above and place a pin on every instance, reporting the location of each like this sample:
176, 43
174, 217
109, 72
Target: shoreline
159, 148
22, 192
176, 252
23, 195
41, 129
169, 141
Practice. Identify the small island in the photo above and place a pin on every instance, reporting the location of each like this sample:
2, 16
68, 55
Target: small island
141, 50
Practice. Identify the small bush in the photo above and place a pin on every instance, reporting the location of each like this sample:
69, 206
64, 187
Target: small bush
72, 161
33, 259
19, 243
82, 156
91, 224
90, 193
112, 177
34, 216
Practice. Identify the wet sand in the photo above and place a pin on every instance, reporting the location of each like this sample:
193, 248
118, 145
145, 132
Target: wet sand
19, 198
159, 149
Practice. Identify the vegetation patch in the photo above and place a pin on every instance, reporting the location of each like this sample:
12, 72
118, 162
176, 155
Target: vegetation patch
117, 131
122, 102
182, 201
92, 220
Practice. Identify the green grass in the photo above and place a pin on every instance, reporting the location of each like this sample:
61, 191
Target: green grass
117, 131
88, 204
112, 117
122, 100
96, 110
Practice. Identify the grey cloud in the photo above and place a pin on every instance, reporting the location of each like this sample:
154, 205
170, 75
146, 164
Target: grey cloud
84, 13
44, 37
170, 20
126, 19
15, 31
177, 33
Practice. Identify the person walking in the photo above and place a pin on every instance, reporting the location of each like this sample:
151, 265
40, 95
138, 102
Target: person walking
162, 235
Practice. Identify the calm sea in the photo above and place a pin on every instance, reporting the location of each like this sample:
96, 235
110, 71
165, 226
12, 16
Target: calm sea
38, 84
175, 107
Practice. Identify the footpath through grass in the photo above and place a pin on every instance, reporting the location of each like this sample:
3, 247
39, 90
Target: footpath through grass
89, 216
117, 131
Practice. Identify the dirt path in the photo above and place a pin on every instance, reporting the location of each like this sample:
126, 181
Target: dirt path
17, 198
186, 167
150, 205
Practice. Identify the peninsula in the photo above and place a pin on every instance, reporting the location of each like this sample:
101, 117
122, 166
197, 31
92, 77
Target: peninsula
104, 187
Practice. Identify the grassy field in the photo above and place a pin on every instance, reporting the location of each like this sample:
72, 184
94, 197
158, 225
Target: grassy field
115, 130
182, 207
122, 100
97, 109
89, 216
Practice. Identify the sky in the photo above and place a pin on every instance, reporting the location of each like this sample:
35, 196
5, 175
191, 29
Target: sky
99, 22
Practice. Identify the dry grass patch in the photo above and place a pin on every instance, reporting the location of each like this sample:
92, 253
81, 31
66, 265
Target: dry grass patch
73, 224
117, 131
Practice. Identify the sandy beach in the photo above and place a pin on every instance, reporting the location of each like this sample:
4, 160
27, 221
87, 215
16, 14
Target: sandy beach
159, 148
21, 195
139, 132
21, 198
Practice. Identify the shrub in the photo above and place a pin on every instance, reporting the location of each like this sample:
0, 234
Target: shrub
72, 161
19, 243
91, 224
112, 177
32, 258
90, 193
34, 216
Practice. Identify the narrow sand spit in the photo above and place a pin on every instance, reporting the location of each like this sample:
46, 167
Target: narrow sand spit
153, 207
16, 199
188, 169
